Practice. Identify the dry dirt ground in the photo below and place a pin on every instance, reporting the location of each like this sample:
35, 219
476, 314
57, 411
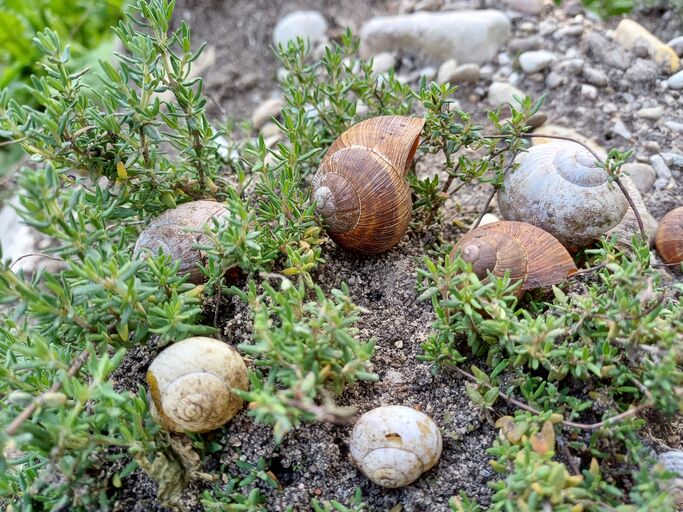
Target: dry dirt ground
313, 461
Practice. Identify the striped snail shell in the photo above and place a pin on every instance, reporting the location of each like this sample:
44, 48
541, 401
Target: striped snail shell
669, 238
559, 188
190, 384
360, 189
528, 253
175, 232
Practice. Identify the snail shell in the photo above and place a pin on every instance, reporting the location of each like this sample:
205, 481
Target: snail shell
360, 190
673, 461
669, 238
559, 188
393, 445
628, 226
190, 384
171, 232
530, 254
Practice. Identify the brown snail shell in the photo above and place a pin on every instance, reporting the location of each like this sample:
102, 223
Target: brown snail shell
191, 384
360, 190
174, 232
528, 253
669, 238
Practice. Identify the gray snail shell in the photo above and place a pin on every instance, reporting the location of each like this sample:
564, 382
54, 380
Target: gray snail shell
191, 382
360, 189
559, 188
673, 461
172, 232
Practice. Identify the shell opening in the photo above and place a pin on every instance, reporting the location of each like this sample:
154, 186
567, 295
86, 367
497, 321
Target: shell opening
390, 477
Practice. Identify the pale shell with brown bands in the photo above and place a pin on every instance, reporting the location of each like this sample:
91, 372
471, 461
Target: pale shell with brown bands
669, 238
172, 233
360, 189
191, 381
528, 253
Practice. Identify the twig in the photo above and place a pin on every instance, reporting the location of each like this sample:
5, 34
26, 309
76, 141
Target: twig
633, 207
545, 136
567, 455
511, 160
589, 270
43, 255
571, 424
12, 141
28, 411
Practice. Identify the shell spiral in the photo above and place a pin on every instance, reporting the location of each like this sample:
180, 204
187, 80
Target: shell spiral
360, 191
191, 381
669, 238
171, 232
393, 445
528, 253
559, 188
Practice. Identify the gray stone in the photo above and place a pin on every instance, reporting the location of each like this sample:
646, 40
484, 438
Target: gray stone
535, 61
554, 80
306, 24
641, 49
573, 66
446, 71
642, 71
675, 81
568, 31
652, 146
616, 58
537, 119
467, 36
661, 183
595, 77
503, 92
383, 62
651, 113
619, 128
677, 44
589, 91
673, 159
533, 7
661, 169
525, 44
266, 110
642, 175
466, 74
674, 126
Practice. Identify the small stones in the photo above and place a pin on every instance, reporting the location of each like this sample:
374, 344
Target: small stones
675, 82
674, 126
642, 70
628, 32
525, 44
619, 128
595, 77
446, 71
589, 91
535, 61
673, 159
676, 44
265, 111
463, 74
383, 62
306, 24
642, 176
533, 7
503, 92
537, 119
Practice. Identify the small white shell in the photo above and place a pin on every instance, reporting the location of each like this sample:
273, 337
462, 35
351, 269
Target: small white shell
190, 384
558, 188
673, 461
393, 445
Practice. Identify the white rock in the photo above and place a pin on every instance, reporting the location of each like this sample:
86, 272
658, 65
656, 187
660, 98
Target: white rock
465, 73
589, 91
503, 92
265, 111
446, 71
677, 45
660, 167
673, 159
383, 62
619, 128
642, 176
488, 218
535, 61
675, 81
651, 113
674, 126
629, 33
532, 7
467, 36
306, 24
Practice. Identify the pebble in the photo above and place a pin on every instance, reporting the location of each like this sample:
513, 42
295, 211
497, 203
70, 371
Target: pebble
266, 110
595, 77
642, 176
446, 71
503, 92
568, 31
537, 119
589, 91
675, 82
673, 159
383, 62
609, 108
661, 169
533, 7
535, 61
554, 79
642, 70
466, 36
466, 73
306, 24
674, 126
525, 44
573, 66
661, 183
628, 32
652, 146
677, 45
651, 113
619, 128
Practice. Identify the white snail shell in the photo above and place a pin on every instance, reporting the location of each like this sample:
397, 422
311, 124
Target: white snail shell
190, 384
673, 461
393, 445
559, 188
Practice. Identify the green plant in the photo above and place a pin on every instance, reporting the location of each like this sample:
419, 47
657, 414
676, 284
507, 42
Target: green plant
355, 505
